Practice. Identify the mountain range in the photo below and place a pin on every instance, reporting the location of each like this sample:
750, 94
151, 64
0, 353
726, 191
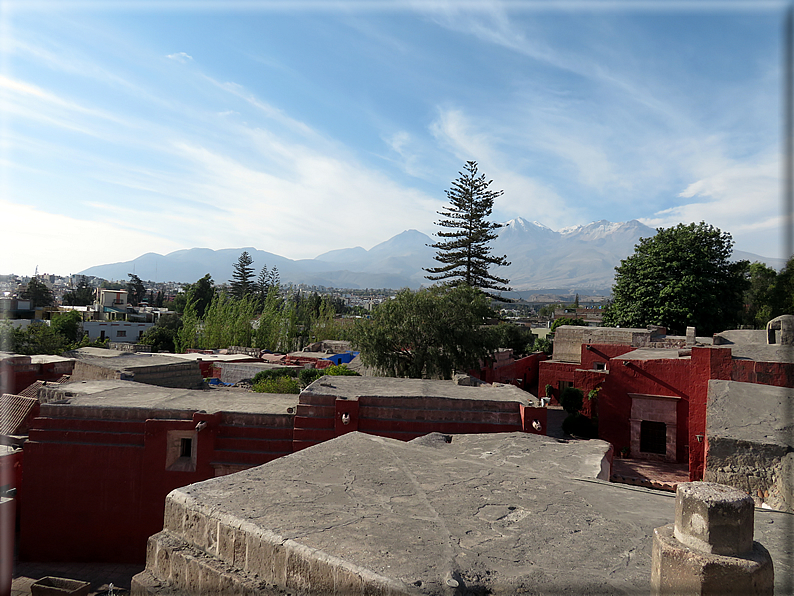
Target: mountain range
582, 257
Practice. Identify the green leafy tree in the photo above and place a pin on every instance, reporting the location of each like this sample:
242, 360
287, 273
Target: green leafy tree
429, 333
782, 301
82, 295
543, 344
69, 325
464, 251
518, 338
759, 298
683, 276
163, 336
242, 282
201, 293
39, 338
136, 291
38, 293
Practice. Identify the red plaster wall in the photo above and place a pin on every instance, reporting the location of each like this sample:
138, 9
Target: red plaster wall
319, 417
653, 377
18, 373
778, 374
522, 373
95, 489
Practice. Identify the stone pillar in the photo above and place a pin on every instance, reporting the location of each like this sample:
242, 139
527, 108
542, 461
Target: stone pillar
709, 550
691, 338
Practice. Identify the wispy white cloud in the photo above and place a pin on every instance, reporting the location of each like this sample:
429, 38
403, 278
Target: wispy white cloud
740, 197
180, 57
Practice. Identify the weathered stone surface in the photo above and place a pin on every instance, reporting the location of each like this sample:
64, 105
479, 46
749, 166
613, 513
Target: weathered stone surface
681, 571
750, 433
503, 514
714, 518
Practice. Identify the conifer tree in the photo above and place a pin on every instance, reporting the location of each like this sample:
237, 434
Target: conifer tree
242, 277
464, 251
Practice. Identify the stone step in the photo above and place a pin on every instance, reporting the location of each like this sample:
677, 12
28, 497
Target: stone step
175, 567
200, 547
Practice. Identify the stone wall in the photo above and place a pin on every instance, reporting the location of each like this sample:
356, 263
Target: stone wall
749, 444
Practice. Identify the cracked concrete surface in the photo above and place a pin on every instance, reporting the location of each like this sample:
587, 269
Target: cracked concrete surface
484, 514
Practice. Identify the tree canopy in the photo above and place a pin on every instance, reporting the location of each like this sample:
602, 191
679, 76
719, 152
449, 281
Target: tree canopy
682, 276
464, 251
242, 282
136, 291
428, 333
82, 295
38, 293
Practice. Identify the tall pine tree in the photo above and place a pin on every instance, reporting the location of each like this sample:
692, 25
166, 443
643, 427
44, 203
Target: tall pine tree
242, 282
464, 251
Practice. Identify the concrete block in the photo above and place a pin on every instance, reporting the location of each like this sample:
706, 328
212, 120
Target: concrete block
710, 549
195, 529
714, 518
679, 571
178, 577
192, 583
347, 581
174, 518
162, 560
260, 557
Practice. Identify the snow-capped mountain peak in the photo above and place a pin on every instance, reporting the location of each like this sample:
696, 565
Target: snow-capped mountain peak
519, 223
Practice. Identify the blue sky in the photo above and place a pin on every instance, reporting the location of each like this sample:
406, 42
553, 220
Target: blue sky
298, 128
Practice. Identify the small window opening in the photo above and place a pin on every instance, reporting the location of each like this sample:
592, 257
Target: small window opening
185, 447
653, 437
565, 384
599, 366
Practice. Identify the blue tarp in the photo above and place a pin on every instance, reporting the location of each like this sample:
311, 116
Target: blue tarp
343, 358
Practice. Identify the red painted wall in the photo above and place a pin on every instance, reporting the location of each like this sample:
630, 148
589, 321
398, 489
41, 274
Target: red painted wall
686, 378
522, 373
95, 488
17, 372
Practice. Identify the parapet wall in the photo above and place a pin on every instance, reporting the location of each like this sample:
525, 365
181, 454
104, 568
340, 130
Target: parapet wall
203, 551
749, 441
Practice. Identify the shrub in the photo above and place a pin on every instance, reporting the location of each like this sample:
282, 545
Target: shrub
340, 370
283, 384
274, 373
571, 400
309, 375
580, 426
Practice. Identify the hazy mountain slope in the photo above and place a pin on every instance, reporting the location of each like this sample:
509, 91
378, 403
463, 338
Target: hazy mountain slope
582, 257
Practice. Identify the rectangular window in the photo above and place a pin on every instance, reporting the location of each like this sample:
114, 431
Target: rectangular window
599, 365
653, 437
121, 333
180, 453
565, 384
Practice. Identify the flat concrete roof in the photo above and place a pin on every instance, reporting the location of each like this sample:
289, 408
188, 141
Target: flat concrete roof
239, 358
354, 387
743, 336
762, 352
48, 359
129, 394
500, 514
653, 354
130, 360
